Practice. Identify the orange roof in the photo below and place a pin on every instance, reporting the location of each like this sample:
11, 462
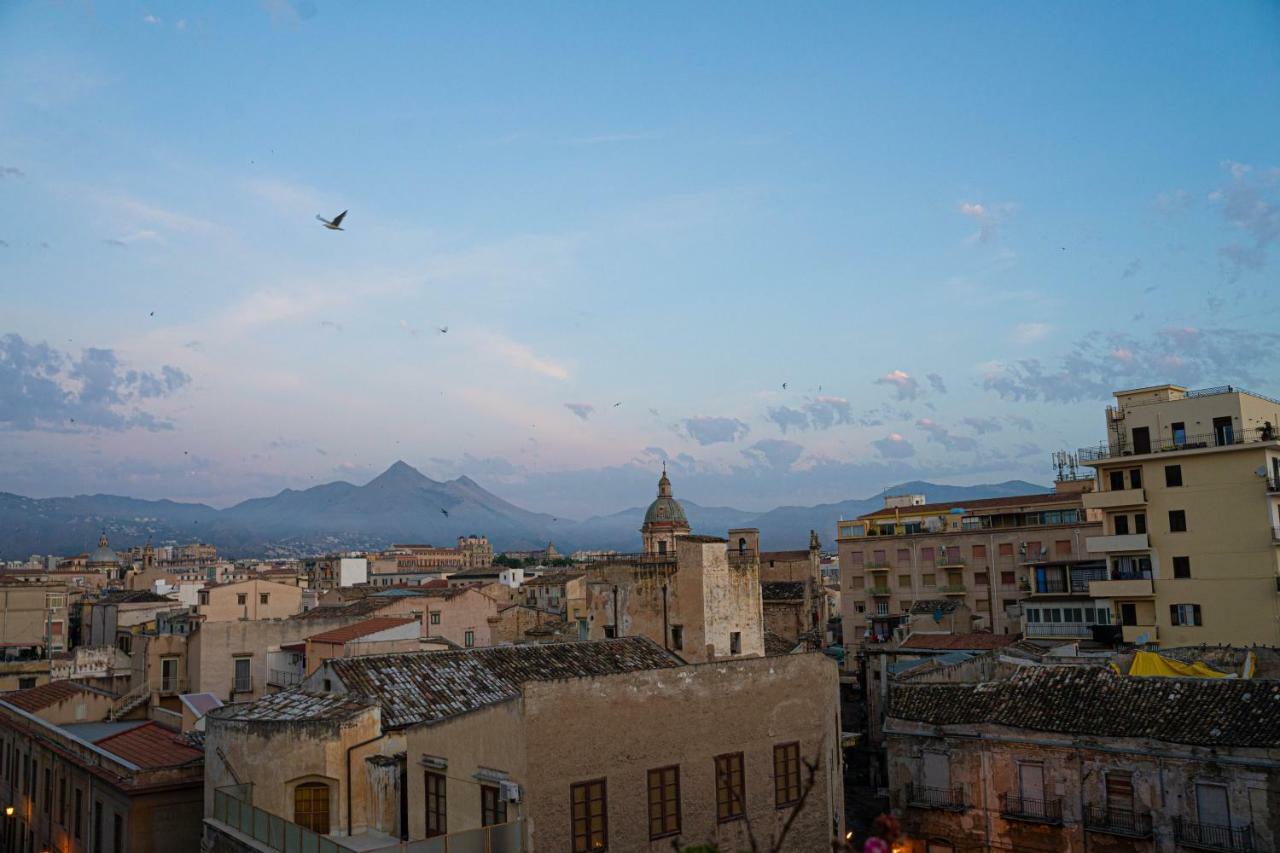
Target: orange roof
347, 633
150, 745
46, 695
977, 641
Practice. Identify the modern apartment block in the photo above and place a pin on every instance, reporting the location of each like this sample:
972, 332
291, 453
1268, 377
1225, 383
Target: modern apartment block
1189, 484
991, 554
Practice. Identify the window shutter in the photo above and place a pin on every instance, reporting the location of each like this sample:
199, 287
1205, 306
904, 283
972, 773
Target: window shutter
1173, 615
1195, 614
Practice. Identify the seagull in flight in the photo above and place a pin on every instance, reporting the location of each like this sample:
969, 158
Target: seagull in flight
445, 511
334, 224
444, 330
616, 405
784, 386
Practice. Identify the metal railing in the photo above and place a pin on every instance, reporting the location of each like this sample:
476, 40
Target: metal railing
1026, 808
283, 677
951, 588
1220, 438
879, 591
1209, 836
879, 565
1128, 575
944, 560
1048, 586
1057, 629
922, 796
271, 830
169, 684
1118, 821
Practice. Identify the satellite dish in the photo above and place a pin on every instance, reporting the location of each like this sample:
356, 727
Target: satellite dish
1261, 470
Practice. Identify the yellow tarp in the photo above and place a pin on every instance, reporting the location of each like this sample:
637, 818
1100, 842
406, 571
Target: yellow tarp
1153, 664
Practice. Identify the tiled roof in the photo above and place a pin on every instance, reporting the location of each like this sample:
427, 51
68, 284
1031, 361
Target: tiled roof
933, 605
781, 590
355, 630
478, 572
361, 607
1094, 701
46, 695
134, 596
421, 687
980, 503
150, 746
790, 556
297, 705
552, 579
976, 641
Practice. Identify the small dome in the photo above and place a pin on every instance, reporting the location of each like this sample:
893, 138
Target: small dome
665, 509
103, 555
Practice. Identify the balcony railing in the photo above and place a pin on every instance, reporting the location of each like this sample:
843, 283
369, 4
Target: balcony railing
878, 565
1208, 836
1222, 438
944, 560
169, 684
272, 831
1057, 629
283, 677
952, 589
924, 797
1016, 807
879, 591
1118, 821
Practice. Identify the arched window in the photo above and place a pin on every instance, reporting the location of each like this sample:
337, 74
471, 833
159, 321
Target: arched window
742, 545
311, 807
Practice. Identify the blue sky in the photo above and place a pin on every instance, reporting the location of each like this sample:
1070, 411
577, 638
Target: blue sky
951, 231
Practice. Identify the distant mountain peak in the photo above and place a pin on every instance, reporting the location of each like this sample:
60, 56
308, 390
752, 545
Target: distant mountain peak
401, 474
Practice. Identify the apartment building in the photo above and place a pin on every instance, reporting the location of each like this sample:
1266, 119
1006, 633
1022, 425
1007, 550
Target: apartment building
33, 618
248, 599
990, 554
1079, 758
1189, 484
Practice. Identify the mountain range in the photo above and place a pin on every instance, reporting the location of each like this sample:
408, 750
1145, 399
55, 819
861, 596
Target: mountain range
402, 505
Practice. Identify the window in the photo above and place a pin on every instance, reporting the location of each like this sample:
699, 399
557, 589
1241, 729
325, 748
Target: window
1179, 430
904, 581
311, 807
1135, 478
1173, 476
263, 597
437, 804
980, 579
590, 804
1117, 481
242, 681
662, 547
1139, 522
1062, 547
1006, 549
1008, 579
735, 643
786, 774
1185, 614
926, 555
610, 632
1182, 567
468, 638
76, 819
1213, 806
856, 558
878, 558
48, 789
928, 580
664, 802
979, 552
168, 675
204, 597
904, 556
117, 834
435, 617
493, 809
1031, 781
677, 637
1119, 792
1177, 521
26, 682
730, 787
1122, 525
242, 598
62, 801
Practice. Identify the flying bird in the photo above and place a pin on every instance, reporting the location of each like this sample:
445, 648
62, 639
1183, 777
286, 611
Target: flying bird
784, 386
153, 313
616, 405
444, 330
445, 511
335, 224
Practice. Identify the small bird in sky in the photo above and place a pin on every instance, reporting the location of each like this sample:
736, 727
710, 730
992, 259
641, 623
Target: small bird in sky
616, 405
334, 224
444, 330
153, 313
784, 386
445, 511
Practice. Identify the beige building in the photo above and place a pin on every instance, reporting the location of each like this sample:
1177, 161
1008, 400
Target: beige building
249, 599
1078, 758
379, 635
34, 618
460, 615
1189, 482
989, 554
541, 747
116, 618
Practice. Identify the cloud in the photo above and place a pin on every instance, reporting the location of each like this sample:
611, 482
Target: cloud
894, 446
712, 430
1174, 201
905, 385
1132, 268
119, 244
936, 383
982, 426
150, 19
521, 357
582, 410
1250, 204
11, 172
1029, 333
988, 219
774, 452
330, 324
819, 413
1023, 423
42, 388
937, 432
1100, 363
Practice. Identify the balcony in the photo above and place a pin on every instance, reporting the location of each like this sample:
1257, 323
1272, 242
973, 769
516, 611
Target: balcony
1119, 542
947, 799
1115, 499
1133, 633
878, 565
952, 589
1199, 441
1123, 587
1126, 823
284, 677
879, 591
1075, 630
1208, 836
1014, 807
945, 562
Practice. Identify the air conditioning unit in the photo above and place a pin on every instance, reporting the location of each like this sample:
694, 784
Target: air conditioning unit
510, 791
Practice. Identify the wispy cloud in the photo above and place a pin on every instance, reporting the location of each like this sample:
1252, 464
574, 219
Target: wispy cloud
521, 357
936, 383
1132, 268
940, 434
982, 425
714, 430
988, 217
582, 410
11, 172
151, 19
1250, 203
894, 446
819, 413
774, 452
1029, 333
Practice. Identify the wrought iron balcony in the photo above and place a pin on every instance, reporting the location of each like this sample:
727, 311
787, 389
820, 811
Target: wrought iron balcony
924, 797
1016, 807
1209, 836
879, 591
952, 589
1124, 822
1198, 441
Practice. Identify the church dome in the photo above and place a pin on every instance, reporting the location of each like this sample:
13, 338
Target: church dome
665, 509
103, 555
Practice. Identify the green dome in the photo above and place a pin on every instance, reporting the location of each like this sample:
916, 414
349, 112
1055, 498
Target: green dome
666, 509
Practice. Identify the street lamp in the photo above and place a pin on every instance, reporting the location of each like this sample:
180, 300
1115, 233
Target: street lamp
8, 811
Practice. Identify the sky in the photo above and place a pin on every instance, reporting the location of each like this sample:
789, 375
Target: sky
800, 252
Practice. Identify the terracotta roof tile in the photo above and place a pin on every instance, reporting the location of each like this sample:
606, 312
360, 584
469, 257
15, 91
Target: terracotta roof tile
355, 630
149, 746
47, 695
1096, 702
297, 705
